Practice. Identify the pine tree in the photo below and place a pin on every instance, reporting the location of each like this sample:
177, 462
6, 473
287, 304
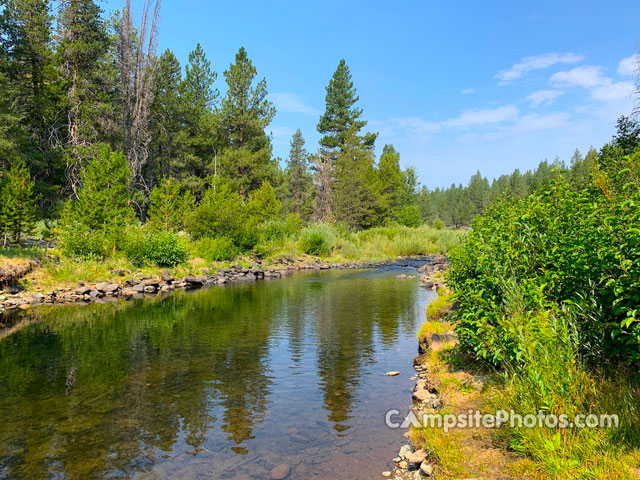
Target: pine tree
245, 113
198, 95
166, 119
17, 203
197, 140
390, 176
341, 116
299, 182
246, 110
83, 48
166, 207
102, 210
355, 190
29, 83
479, 191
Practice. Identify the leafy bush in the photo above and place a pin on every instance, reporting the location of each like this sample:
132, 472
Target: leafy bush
438, 224
410, 216
559, 249
164, 249
79, 241
317, 240
280, 228
215, 249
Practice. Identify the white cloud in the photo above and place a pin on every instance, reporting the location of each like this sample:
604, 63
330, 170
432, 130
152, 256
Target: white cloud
585, 76
292, 103
534, 121
546, 97
414, 127
487, 116
592, 78
537, 62
629, 65
468, 91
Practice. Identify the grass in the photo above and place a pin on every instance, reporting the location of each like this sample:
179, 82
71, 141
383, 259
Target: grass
550, 378
440, 308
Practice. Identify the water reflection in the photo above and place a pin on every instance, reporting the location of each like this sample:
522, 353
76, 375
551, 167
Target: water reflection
219, 383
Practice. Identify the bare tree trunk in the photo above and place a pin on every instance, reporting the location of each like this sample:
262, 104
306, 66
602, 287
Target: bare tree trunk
137, 53
323, 168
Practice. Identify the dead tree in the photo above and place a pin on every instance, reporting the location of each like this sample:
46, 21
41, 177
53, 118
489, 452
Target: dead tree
322, 166
136, 56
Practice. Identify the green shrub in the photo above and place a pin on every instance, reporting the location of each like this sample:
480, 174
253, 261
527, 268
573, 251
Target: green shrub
215, 249
438, 224
576, 251
164, 249
79, 241
410, 216
317, 240
280, 228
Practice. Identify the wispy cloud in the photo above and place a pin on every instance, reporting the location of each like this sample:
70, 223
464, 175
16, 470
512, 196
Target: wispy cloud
414, 127
537, 62
468, 91
534, 121
292, 103
593, 79
629, 65
281, 134
487, 116
546, 97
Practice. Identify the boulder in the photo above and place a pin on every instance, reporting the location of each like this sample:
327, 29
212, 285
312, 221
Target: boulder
280, 472
166, 276
82, 290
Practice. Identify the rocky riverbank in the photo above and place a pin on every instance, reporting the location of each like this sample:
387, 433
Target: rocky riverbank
132, 285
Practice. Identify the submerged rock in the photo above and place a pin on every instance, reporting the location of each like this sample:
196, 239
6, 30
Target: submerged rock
280, 472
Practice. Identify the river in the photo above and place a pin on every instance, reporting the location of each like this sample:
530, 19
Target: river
226, 382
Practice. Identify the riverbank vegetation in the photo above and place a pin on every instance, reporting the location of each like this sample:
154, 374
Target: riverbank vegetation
546, 291
144, 164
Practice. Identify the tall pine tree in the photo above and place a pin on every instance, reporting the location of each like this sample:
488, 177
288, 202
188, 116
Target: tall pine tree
246, 112
299, 181
341, 115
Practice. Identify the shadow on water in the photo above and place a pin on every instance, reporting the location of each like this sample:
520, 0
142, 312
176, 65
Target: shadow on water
226, 382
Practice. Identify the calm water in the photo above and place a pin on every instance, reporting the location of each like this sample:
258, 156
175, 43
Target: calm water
221, 383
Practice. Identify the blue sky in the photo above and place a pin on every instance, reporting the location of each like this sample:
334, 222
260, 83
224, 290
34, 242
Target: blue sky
454, 86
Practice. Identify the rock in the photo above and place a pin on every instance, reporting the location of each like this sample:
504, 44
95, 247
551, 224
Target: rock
150, 289
195, 281
37, 297
416, 457
82, 290
166, 276
138, 288
426, 469
387, 474
392, 374
24, 306
404, 450
280, 472
403, 464
221, 279
423, 396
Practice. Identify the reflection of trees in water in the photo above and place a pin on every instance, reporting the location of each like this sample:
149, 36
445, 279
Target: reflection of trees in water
142, 376
108, 389
351, 314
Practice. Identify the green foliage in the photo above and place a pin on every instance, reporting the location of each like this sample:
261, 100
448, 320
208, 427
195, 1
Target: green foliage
163, 249
223, 213
410, 216
317, 240
17, 203
94, 224
341, 116
215, 249
559, 249
263, 204
299, 183
438, 224
356, 190
168, 207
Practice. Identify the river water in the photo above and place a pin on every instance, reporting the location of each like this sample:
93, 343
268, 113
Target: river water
220, 383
